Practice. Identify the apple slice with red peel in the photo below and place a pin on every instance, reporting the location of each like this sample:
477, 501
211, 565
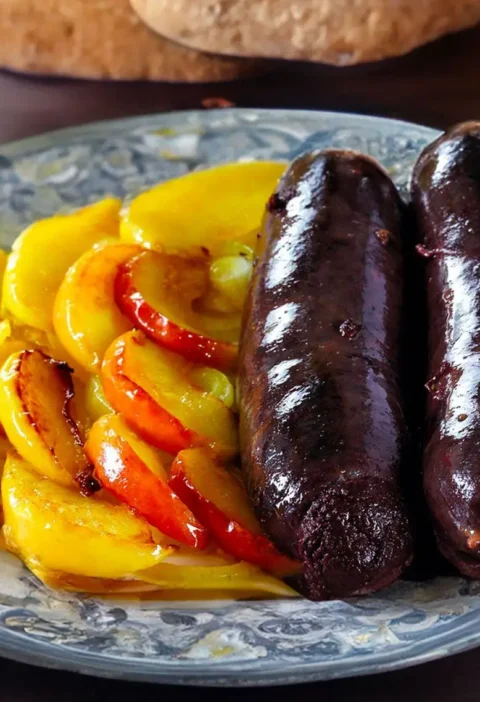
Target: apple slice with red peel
133, 472
165, 399
219, 500
142, 413
157, 293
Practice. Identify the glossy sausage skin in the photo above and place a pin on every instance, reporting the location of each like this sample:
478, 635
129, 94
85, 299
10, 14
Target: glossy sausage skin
446, 196
322, 428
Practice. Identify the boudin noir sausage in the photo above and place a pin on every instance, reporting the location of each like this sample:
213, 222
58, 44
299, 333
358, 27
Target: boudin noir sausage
322, 427
446, 197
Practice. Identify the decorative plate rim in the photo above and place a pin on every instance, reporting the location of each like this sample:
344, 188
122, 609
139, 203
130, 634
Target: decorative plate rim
45, 138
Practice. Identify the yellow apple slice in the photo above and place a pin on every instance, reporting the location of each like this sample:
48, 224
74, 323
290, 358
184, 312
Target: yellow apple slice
42, 254
239, 576
86, 317
54, 528
216, 211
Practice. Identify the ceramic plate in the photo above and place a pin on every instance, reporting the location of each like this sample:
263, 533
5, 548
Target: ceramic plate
212, 643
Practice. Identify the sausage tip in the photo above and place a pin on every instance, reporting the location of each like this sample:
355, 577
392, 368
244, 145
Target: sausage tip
354, 539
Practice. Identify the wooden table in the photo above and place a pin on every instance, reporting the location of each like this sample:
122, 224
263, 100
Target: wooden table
436, 85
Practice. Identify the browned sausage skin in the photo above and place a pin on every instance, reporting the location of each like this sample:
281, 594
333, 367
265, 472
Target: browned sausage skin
322, 428
446, 196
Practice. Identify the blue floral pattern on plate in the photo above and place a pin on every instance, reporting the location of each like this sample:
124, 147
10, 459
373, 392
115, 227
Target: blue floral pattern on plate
212, 643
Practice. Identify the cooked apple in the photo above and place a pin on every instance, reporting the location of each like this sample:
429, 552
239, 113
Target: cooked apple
137, 589
229, 277
54, 528
158, 292
132, 470
59, 580
219, 500
5, 447
143, 414
10, 346
96, 404
35, 411
86, 318
220, 208
15, 337
3, 265
44, 252
166, 400
238, 577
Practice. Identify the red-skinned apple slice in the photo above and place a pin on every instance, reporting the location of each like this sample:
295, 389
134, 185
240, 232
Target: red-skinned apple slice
156, 292
159, 395
132, 471
146, 417
219, 500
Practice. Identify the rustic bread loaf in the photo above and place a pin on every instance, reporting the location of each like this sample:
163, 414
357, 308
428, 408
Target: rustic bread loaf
100, 39
340, 32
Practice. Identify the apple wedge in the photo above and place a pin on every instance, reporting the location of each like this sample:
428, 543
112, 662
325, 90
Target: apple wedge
219, 209
58, 580
229, 277
242, 577
85, 316
35, 411
44, 252
169, 402
132, 471
95, 404
157, 293
137, 589
5, 447
54, 528
219, 500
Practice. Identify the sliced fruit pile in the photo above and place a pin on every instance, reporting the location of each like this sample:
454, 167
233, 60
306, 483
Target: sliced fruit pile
118, 437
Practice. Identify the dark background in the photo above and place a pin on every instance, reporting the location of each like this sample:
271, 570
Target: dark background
436, 85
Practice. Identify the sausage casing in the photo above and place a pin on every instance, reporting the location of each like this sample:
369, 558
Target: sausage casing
323, 434
446, 196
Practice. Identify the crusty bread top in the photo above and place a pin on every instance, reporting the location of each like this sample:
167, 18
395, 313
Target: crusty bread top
341, 32
100, 39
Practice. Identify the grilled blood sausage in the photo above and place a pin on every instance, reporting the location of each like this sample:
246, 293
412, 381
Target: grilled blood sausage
322, 427
446, 196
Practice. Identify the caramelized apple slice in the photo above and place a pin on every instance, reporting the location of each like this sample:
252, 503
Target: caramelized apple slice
157, 293
229, 278
58, 580
5, 447
14, 337
220, 208
96, 404
133, 472
3, 265
54, 528
238, 577
86, 318
136, 589
35, 411
42, 254
165, 399
219, 500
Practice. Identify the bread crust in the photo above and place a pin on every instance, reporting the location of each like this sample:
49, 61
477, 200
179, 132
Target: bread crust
341, 32
100, 39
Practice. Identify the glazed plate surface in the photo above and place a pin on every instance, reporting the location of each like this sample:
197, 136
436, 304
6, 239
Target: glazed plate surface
212, 643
